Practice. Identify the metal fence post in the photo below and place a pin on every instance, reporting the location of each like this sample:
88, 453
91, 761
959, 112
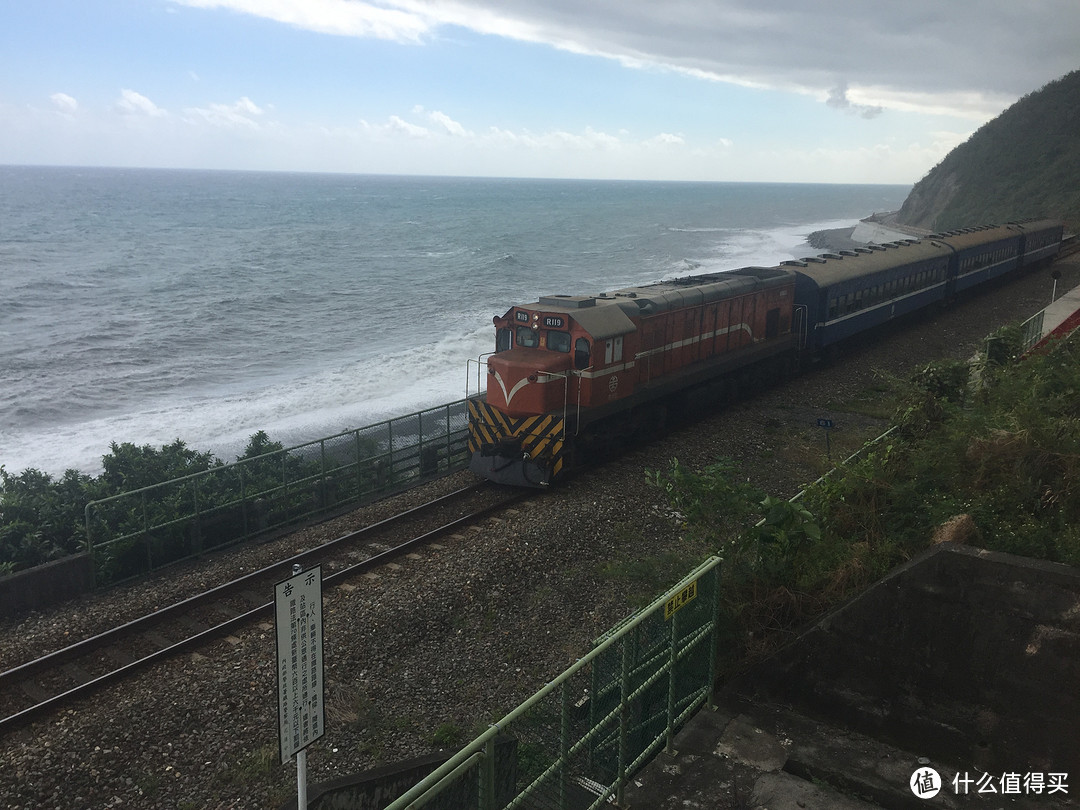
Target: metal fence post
624, 719
359, 472
90, 544
564, 744
323, 499
390, 449
243, 500
710, 700
449, 450
146, 533
196, 540
487, 776
673, 660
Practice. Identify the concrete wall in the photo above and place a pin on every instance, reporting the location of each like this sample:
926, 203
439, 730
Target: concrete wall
45, 585
869, 231
969, 656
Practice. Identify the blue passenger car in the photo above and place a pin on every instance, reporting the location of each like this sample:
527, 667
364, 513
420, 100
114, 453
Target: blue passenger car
983, 254
1041, 241
843, 294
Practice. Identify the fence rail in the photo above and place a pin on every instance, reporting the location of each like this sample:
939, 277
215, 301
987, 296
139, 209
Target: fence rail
575, 744
134, 533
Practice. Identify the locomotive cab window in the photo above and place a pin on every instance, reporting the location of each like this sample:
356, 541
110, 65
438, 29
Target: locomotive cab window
527, 337
558, 341
582, 357
504, 338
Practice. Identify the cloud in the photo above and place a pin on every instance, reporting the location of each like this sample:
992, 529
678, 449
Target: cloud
838, 99
398, 125
443, 121
64, 103
913, 55
339, 17
666, 139
239, 114
132, 103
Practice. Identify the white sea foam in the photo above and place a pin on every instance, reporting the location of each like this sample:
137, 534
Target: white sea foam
293, 411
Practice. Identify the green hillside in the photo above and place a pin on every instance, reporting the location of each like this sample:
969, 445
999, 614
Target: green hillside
1023, 164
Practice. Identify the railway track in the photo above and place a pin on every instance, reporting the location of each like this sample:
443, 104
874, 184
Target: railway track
38, 686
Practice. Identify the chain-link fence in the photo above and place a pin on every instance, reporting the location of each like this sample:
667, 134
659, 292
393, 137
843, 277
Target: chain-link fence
576, 743
136, 532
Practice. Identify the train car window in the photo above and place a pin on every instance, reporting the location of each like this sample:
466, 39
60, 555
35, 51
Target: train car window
527, 337
558, 341
581, 353
504, 338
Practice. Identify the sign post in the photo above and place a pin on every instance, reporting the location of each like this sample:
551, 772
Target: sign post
827, 424
298, 621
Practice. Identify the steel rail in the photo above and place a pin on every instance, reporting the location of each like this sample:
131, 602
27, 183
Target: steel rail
102, 639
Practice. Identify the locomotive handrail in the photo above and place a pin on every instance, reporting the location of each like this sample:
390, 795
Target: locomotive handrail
468, 372
566, 396
802, 326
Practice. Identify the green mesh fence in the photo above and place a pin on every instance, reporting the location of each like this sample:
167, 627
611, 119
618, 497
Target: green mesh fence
576, 743
1031, 330
136, 532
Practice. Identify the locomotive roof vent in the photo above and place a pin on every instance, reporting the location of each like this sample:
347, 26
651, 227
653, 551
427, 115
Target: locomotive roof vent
793, 263
876, 247
568, 301
626, 295
848, 253
861, 250
831, 256
814, 259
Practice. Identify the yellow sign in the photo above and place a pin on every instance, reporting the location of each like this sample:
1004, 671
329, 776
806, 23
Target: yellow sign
679, 599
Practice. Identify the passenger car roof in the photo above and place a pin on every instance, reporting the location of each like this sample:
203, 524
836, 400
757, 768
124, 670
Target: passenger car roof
834, 268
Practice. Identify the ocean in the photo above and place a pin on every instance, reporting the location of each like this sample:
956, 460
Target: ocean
142, 305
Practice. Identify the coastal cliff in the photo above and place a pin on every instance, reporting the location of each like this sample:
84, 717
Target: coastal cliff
1023, 164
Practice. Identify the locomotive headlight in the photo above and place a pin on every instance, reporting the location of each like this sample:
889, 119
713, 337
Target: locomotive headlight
536, 326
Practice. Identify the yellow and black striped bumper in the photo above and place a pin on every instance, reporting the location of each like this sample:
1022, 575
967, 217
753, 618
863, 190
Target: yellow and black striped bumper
523, 451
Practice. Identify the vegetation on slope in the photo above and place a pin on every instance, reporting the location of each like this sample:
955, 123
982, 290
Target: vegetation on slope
1023, 164
986, 454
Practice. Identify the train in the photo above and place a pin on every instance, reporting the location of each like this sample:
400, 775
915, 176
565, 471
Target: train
572, 375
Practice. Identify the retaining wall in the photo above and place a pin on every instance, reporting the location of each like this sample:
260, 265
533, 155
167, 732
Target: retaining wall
963, 654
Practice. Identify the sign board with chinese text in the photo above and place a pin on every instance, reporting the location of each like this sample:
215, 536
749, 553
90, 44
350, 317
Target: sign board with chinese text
298, 620
680, 599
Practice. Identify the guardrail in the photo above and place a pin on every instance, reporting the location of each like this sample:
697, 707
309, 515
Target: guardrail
575, 744
134, 533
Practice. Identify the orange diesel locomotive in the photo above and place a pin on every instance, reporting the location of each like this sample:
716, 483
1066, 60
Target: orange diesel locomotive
565, 365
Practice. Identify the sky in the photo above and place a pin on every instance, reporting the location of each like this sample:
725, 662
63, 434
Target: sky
832, 91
